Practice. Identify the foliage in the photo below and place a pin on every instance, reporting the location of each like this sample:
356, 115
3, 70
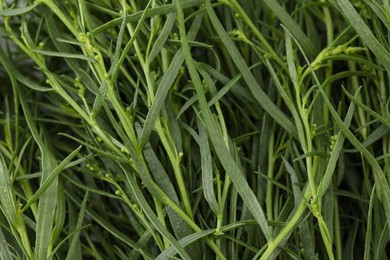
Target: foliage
194, 129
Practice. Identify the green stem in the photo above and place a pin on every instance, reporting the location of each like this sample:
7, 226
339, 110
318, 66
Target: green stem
236, 6
62, 16
293, 222
337, 229
270, 174
175, 161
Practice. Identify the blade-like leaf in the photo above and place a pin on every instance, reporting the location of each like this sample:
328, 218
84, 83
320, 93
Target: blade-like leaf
365, 33
66, 55
52, 177
18, 11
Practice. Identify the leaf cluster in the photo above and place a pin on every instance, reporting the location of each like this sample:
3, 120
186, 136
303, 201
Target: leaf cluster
194, 129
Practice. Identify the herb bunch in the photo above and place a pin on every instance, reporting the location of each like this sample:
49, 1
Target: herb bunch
194, 129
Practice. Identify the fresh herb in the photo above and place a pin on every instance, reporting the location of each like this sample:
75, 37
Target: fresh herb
194, 129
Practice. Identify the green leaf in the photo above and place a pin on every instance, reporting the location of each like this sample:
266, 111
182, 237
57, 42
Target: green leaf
368, 238
165, 84
75, 240
162, 38
104, 223
46, 208
51, 178
66, 55
153, 218
207, 169
262, 99
31, 84
18, 11
118, 47
292, 26
365, 33
180, 228
171, 251
370, 111
117, 64
376, 135
326, 179
381, 180
159, 10
7, 198
5, 252
223, 153
48, 199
